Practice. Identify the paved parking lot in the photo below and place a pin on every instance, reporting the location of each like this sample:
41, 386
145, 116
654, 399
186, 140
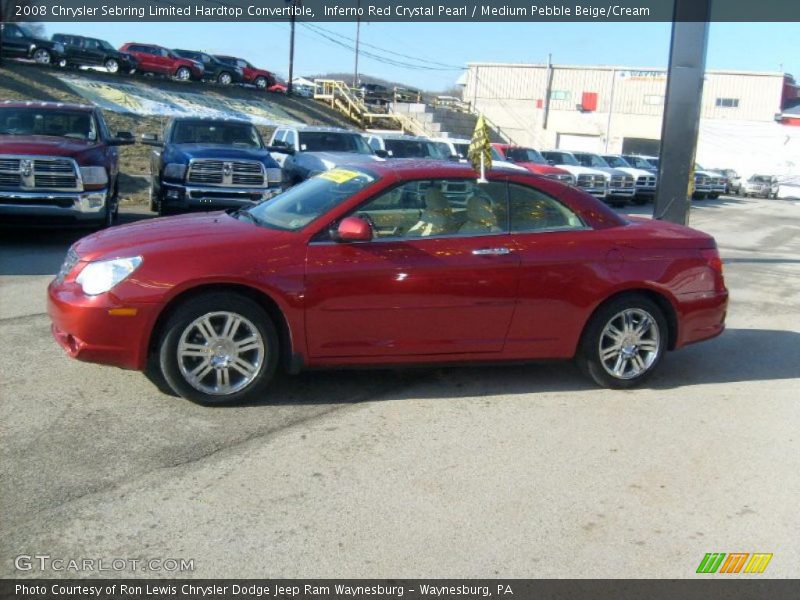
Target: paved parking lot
518, 471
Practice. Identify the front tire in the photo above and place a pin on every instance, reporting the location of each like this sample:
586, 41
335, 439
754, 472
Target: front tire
224, 78
42, 56
624, 342
219, 348
183, 74
261, 83
112, 65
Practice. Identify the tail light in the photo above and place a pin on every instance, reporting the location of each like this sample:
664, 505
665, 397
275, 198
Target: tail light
713, 260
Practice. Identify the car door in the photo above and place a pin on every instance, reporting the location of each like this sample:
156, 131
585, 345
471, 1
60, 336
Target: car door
433, 281
93, 52
15, 43
145, 57
563, 264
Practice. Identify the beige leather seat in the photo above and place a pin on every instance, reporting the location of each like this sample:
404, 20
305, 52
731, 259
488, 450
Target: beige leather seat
481, 217
436, 219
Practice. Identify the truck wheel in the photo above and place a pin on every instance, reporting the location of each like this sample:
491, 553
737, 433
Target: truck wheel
261, 83
42, 56
62, 63
224, 78
183, 74
219, 348
624, 342
112, 65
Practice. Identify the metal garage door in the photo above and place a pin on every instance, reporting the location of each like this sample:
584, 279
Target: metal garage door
584, 143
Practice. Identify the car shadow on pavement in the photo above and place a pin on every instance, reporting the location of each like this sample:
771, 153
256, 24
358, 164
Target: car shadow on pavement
30, 251
739, 355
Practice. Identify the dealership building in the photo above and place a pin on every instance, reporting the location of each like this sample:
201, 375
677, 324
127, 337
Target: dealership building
620, 109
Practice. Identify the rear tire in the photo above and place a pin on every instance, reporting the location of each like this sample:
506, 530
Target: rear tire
219, 348
224, 78
623, 342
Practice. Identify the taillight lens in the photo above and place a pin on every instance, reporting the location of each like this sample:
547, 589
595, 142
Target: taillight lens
713, 260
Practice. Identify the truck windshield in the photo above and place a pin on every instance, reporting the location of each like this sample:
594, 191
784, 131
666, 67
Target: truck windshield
79, 125
216, 132
303, 203
561, 158
591, 160
525, 155
333, 141
616, 161
410, 149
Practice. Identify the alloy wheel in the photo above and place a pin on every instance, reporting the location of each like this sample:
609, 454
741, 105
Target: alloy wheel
42, 56
112, 66
629, 343
220, 353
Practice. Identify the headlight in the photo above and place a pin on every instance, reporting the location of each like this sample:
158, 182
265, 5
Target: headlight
101, 276
94, 176
58, 47
174, 171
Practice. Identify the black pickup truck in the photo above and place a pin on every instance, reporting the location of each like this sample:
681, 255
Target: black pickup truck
209, 164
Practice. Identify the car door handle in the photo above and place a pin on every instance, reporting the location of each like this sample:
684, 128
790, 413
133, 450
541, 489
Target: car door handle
491, 251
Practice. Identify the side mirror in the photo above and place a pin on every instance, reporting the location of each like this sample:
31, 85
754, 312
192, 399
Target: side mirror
123, 138
381, 153
454, 157
281, 147
353, 229
150, 139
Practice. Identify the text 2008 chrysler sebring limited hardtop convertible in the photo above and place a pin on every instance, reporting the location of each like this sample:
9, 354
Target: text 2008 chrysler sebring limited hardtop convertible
389, 264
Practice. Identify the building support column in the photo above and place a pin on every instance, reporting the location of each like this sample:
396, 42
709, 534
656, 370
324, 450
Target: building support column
681, 124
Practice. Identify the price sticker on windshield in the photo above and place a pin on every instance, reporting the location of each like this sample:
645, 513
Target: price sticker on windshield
339, 175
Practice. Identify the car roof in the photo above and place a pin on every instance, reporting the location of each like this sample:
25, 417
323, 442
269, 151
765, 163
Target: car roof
319, 129
211, 120
399, 136
46, 105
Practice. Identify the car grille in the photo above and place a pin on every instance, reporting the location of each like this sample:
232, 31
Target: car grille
237, 173
39, 173
702, 181
591, 181
646, 181
619, 181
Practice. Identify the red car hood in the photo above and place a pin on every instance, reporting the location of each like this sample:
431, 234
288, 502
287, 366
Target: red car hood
43, 145
193, 233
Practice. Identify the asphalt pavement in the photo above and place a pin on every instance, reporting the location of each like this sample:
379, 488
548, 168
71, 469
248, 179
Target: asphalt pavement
496, 471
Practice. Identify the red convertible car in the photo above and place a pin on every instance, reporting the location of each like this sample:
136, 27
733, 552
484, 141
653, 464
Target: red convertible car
388, 264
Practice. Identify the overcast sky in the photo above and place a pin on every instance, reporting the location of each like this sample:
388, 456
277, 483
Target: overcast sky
743, 46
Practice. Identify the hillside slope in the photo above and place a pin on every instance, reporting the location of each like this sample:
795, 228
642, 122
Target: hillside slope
30, 82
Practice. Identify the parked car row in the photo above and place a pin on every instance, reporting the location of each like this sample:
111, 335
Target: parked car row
69, 50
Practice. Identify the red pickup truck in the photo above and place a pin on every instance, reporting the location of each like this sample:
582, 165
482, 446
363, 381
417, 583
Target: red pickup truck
532, 160
163, 61
58, 165
261, 78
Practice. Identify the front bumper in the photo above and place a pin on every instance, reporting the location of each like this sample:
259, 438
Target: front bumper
597, 192
190, 197
622, 192
45, 206
84, 328
646, 190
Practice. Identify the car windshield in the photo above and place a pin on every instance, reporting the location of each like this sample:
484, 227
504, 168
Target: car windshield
653, 161
760, 179
303, 203
591, 160
79, 125
525, 155
560, 158
216, 132
333, 141
616, 161
410, 149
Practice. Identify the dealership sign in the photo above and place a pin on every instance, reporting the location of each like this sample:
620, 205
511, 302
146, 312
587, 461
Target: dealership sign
138, 99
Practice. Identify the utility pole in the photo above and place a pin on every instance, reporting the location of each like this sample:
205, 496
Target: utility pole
294, 4
681, 125
358, 35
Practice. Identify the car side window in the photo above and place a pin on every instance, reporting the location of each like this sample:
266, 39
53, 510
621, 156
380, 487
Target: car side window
13, 32
435, 208
533, 210
278, 136
291, 138
374, 143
